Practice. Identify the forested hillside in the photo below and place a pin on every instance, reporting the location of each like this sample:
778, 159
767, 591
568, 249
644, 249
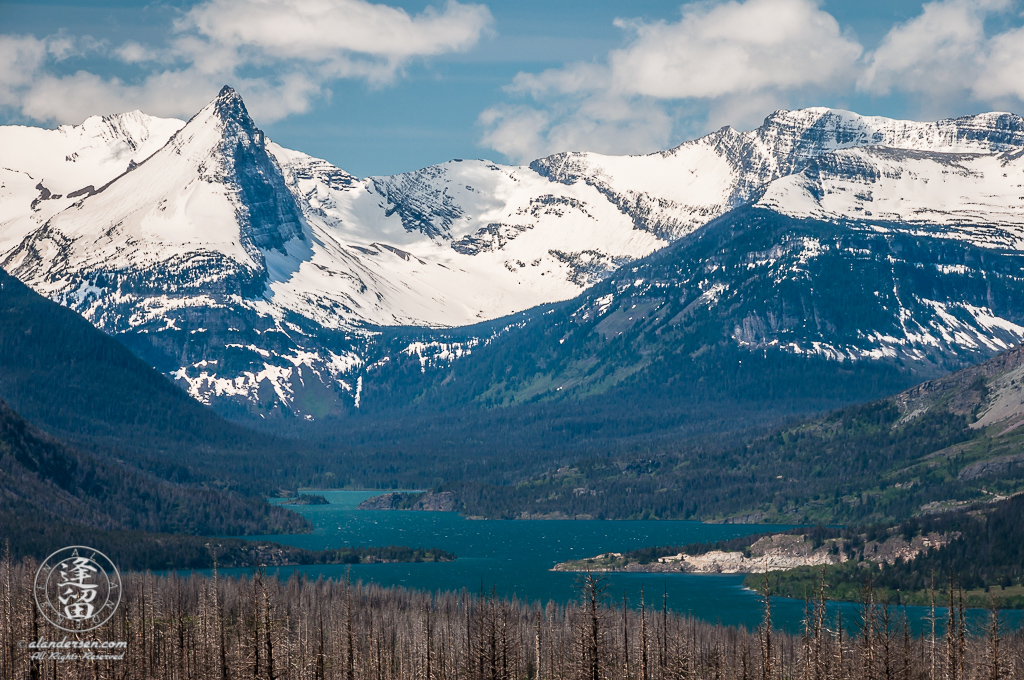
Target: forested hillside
77, 383
945, 441
736, 314
981, 552
114, 455
52, 494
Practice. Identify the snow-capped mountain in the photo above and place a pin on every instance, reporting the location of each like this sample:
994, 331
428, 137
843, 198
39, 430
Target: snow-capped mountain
44, 171
199, 216
763, 309
249, 271
450, 245
673, 192
975, 197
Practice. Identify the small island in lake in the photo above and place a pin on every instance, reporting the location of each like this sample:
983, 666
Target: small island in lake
442, 501
245, 553
307, 499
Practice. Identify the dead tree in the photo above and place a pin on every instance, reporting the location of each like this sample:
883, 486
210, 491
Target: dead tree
767, 649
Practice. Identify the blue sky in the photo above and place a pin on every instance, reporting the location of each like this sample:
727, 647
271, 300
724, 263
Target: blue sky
380, 88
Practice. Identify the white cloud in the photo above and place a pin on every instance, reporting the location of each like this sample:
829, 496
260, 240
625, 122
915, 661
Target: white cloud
72, 97
732, 62
280, 54
945, 54
21, 57
734, 48
323, 30
516, 131
133, 52
605, 124
570, 79
947, 58
937, 52
725, 55
1002, 76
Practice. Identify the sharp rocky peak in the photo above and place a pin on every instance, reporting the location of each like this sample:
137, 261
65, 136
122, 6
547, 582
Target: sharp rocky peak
227, 113
229, 107
225, 144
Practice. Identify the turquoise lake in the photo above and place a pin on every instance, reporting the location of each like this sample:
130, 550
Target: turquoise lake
514, 557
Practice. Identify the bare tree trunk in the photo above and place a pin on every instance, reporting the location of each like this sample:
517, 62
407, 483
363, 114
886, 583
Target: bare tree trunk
932, 641
222, 650
594, 589
867, 631
951, 645
256, 576
767, 652
7, 602
34, 670
643, 636
268, 631
625, 639
350, 657
819, 630
961, 637
840, 650
321, 657
994, 633
663, 651
536, 647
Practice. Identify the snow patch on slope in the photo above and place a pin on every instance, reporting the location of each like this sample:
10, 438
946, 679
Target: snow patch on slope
977, 198
44, 171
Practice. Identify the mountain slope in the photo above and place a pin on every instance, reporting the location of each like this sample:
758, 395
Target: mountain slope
219, 205
755, 318
942, 444
123, 460
973, 197
660, 195
47, 481
756, 286
82, 386
45, 171
678, 190
268, 281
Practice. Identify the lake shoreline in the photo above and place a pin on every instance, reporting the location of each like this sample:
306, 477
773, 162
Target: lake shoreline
514, 558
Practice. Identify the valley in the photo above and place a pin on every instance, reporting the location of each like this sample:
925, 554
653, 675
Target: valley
375, 340
804, 331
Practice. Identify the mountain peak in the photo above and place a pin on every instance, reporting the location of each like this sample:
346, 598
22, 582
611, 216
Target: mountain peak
228, 100
229, 107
